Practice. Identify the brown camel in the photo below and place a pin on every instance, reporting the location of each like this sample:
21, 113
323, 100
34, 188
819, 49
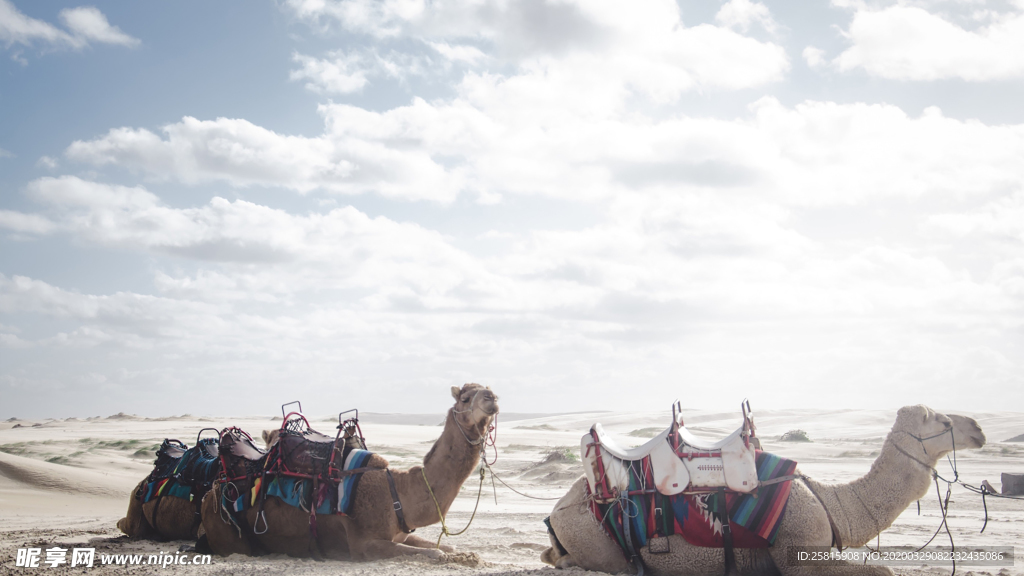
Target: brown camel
282, 529
165, 517
861, 509
373, 530
170, 517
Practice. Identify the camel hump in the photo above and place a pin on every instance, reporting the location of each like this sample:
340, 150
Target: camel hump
377, 461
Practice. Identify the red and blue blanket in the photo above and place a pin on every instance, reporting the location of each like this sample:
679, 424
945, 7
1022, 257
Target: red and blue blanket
298, 492
188, 476
698, 516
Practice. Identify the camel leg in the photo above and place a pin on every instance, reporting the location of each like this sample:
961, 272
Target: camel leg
134, 523
421, 542
805, 524
581, 535
381, 549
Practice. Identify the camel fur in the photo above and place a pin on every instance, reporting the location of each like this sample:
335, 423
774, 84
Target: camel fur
372, 529
861, 510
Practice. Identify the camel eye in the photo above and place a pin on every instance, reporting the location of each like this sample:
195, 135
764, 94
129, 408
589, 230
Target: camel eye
464, 400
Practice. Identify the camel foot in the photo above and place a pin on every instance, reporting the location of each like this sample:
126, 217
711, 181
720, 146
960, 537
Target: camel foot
380, 549
203, 545
468, 559
421, 542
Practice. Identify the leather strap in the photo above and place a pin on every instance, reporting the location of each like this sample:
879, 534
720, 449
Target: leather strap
355, 471
255, 548
779, 480
837, 540
627, 535
727, 545
396, 504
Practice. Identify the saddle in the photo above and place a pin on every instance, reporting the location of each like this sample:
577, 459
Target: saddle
239, 455
198, 468
190, 472
302, 450
167, 457
675, 460
302, 467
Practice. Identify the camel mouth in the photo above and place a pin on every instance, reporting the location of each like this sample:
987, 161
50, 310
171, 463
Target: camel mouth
979, 439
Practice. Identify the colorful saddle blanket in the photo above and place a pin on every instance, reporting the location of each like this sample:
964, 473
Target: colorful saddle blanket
183, 472
697, 517
298, 492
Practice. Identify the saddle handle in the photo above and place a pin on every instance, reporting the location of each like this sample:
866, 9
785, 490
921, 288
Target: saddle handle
340, 414
204, 430
748, 418
289, 404
354, 421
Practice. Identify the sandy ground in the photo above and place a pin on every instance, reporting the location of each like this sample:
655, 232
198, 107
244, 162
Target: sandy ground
66, 483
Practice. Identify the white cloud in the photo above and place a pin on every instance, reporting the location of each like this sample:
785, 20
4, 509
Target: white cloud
459, 53
1001, 219
17, 28
352, 158
627, 44
815, 57
911, 43
340, 74
90, 25
85, 25
30, 223
344, 248
6, 154
744, 14
518, 136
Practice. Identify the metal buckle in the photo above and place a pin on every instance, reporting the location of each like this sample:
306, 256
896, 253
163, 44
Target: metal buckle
397, 506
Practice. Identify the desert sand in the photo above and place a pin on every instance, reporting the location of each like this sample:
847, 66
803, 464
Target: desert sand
67, 482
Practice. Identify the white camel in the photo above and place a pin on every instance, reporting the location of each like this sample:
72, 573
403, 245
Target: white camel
860, 510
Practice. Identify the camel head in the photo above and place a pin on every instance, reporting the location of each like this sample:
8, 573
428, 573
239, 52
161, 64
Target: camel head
938, 434
475, 406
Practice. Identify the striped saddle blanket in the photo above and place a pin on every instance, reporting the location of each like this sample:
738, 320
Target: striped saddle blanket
181, 472
754, 517
298, 492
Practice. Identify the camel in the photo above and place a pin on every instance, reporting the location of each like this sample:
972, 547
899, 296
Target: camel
164, 517
169, 517
372, 531
860, 510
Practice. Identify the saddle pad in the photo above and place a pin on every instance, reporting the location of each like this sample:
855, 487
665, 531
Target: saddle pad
296, 492
754, 518
761, 513
347, 486
181, 473
166, 487
698, 519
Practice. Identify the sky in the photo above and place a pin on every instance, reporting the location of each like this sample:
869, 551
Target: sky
219, 207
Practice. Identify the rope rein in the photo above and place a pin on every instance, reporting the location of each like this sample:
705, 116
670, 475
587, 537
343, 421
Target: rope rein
488, 438
444, 526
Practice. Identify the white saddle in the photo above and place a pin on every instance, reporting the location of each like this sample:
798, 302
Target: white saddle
696, 463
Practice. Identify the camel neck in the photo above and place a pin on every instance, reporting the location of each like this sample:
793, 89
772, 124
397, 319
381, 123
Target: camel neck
447, 466
900, 475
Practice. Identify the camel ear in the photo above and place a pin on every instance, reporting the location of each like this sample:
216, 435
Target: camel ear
456, 392
266, 436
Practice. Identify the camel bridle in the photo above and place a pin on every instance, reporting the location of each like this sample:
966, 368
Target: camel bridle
952, 438
472, 406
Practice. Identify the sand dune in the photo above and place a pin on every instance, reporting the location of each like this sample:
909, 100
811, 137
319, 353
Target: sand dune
46, 476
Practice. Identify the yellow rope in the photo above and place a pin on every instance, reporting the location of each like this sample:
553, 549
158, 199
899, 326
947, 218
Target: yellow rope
444, 526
